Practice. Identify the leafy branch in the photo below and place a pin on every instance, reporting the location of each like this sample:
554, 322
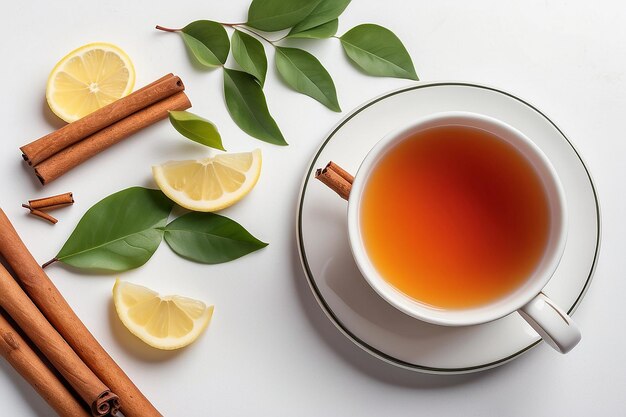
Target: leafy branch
123, 230
374, 49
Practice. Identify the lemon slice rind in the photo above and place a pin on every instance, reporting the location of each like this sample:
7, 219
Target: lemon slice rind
81, 83
209, 184
163, 322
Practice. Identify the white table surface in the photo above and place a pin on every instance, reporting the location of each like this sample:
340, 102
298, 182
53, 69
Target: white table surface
269, 349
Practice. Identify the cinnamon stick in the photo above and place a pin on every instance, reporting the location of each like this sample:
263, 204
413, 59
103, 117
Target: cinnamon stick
342, 172
17, 304
28, 364
61, 162
44, 215
51, 203
43, 148
336, 178
52, 304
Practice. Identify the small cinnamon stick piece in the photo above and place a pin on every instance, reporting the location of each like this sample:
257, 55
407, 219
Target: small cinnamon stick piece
63, 161
336, 178
43, 148
17, 304
51, 203
26, 362
52, 304
44, 215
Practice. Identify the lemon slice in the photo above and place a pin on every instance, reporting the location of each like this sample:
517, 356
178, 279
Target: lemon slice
87, 79
209, 184
167, 323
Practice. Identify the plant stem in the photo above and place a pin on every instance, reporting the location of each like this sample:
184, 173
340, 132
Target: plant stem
51, 261
239, 26
167, 29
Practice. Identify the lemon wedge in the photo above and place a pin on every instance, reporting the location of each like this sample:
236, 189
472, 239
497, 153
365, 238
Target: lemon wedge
87, 79
209, 184
164, 322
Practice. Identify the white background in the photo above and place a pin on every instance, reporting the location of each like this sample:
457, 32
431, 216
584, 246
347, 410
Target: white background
270, 350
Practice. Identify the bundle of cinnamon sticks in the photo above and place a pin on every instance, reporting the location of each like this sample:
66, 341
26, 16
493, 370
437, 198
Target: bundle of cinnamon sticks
40, 206
31, 308
58, 152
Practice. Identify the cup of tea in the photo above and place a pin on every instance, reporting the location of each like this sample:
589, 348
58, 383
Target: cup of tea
459, 219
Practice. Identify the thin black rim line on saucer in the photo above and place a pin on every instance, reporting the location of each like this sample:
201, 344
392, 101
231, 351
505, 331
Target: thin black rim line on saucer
330, 312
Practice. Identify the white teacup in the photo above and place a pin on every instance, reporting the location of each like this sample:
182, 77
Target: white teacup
552, 323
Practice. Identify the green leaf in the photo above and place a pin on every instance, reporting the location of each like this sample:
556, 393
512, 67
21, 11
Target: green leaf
120, 232
250, 55
324, 12
210, 238
207, 41
247, 107
274, 15
378, 52
196, 128
324, 31
305, 74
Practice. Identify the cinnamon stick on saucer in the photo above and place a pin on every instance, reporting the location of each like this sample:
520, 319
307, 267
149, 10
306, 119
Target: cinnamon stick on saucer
43, 148
51, 303
336, 178
26, 362
17, 304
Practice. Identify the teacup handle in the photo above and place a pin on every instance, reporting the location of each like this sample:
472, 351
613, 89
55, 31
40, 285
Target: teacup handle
553, 324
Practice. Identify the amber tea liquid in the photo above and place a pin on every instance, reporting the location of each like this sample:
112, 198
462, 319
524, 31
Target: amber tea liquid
454, 217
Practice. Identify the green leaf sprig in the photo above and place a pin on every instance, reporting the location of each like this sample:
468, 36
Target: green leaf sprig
123, 231
246, 105
196, 128
207, 41
374, 49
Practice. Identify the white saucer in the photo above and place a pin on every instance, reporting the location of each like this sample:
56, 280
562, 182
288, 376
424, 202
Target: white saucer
358, 311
